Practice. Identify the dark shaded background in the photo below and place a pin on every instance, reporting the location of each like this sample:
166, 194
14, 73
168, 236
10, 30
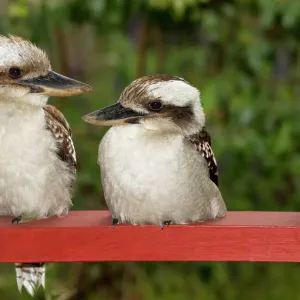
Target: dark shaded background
244, 56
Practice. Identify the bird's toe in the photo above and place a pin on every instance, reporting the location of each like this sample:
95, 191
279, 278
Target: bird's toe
166, 223
115, 221
17, 220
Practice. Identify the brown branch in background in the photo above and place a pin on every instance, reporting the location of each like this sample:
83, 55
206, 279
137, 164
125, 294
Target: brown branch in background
79, 36
108, 283
221, 50
128, 281
4, 16
79, 281
142, 48
296, 77
61, 44
158, 40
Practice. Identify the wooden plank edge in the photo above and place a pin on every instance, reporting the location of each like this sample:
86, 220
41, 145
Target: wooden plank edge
85, 236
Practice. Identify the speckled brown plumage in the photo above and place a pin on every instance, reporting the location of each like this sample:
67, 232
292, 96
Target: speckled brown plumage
202, 142
30, 59
61, 131
138, 88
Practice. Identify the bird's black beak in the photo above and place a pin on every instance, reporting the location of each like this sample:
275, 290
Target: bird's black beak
54, 84
112, 115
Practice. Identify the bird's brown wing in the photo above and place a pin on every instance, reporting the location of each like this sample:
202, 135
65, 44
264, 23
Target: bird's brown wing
61, 131
202, 143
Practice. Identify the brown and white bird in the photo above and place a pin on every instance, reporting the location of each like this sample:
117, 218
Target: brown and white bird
157, 164
37, 157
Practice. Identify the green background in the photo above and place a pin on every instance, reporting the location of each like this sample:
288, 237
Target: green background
244, 56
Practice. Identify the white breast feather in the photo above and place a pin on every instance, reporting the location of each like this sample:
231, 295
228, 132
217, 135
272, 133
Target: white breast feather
149, 178
33, 180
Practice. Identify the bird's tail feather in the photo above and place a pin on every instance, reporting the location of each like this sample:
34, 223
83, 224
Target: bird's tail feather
31, 276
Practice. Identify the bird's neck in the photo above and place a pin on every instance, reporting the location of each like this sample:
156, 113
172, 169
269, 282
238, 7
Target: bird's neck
30, 100
140, 132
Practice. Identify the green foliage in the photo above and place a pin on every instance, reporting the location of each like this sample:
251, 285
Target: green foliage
178, 7
244, 56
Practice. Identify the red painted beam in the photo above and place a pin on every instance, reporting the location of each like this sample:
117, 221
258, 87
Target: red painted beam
89, 236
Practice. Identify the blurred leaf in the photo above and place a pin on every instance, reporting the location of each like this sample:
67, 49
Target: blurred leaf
18, 9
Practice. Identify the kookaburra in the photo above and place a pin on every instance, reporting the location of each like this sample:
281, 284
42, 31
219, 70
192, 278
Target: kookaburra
157, 164
37, 157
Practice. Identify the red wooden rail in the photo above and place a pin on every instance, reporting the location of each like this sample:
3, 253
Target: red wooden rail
89, 236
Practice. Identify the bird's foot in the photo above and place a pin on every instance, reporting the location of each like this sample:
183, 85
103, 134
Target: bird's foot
22, 219
165, 223
16, 220
115, 222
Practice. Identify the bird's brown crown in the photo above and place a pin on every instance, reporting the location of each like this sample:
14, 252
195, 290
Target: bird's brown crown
16, 52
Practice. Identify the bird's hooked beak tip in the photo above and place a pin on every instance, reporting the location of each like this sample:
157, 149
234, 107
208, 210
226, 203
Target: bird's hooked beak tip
87, 118
112, 115
54, 84
85, 88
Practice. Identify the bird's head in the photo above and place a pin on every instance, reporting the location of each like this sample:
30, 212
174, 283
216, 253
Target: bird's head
159, 102
26, 75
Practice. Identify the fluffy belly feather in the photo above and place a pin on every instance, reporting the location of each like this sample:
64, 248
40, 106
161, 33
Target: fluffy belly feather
33, 181
151, 179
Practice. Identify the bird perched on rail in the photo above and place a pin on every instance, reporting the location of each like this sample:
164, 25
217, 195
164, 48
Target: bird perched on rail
157, 164
37, 157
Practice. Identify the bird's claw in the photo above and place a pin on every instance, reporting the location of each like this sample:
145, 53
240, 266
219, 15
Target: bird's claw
17, 220
22, 219
115, 222
165, 223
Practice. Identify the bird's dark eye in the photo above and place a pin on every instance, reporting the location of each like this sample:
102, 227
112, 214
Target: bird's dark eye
14, 72
155, 105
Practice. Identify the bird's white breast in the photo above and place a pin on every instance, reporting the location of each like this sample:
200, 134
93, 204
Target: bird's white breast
33, 181
152, 178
